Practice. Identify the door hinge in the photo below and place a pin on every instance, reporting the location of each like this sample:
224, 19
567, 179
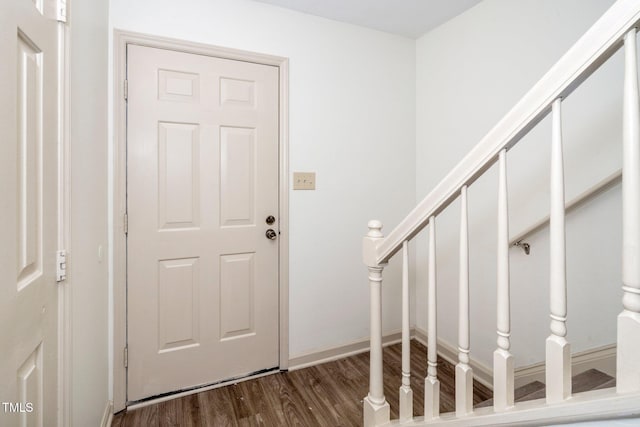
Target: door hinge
126, 357
61, 10
126, 223
126, 90
61, 265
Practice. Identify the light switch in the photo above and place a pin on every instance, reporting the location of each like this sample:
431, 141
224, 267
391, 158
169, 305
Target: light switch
304, 180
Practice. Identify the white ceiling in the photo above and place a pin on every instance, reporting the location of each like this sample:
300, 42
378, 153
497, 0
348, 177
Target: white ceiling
409, 18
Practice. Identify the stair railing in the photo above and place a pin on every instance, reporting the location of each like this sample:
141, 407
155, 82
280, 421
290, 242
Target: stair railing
614, 29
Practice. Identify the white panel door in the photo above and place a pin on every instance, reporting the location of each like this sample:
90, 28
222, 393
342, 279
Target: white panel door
202, 177
28, 210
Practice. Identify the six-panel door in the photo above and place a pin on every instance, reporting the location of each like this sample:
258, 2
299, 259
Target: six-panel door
202, 177
29, 213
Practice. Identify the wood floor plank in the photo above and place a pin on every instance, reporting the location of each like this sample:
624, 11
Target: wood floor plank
146, 416
217, 409
318, 387
324, 395
294, 406
118, 419
342, 381
240, 402
319, 407
264, 409
190, 411
272, 403
170, 412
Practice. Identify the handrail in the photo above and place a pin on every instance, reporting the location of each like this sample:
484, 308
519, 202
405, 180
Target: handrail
600, 187
600, 42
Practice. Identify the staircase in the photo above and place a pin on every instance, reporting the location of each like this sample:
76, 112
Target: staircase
560, 401
591, 379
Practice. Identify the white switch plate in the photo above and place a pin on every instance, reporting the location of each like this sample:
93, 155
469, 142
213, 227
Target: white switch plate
304, 180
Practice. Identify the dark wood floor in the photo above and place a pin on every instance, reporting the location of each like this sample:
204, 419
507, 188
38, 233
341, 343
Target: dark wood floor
325, 395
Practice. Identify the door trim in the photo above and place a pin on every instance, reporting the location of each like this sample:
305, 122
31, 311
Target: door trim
118, 191
65, 365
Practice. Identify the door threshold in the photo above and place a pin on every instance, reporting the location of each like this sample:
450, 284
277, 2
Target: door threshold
199, 389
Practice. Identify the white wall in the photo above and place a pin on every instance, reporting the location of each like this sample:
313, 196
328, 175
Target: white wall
469, 73
88, 210
352, 121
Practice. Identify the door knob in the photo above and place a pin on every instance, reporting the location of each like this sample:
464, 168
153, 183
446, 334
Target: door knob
271, 235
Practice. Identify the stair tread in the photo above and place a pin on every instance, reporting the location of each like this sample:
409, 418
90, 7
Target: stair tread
519, 393
584, 381
591, 379
608, 384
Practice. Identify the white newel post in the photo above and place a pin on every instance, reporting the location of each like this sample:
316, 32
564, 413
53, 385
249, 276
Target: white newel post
464, 373
406, 394
376, 408
628, 354
431, 382
558, 350
502, 358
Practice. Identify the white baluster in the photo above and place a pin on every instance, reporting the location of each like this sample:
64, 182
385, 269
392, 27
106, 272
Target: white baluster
406, 394
431, 383
502, 358
376, 408
628, 353
464, 373
558, 350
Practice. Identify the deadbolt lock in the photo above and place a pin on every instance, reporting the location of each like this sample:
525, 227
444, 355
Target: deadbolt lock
270, 219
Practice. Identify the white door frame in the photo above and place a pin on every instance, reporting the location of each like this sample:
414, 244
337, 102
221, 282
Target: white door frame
121, 40
65, 364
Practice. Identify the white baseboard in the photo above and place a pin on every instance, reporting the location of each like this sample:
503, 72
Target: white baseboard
601, 358
339, 352
107, 416
481, 373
